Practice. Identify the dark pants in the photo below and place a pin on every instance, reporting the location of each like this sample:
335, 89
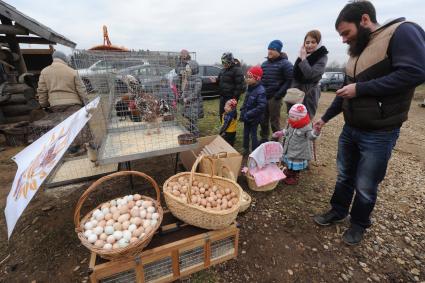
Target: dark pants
362, 164
223, 100
250, 131
271, 118
230, 138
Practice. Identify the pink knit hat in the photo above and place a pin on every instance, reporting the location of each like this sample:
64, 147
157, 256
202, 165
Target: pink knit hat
298, 110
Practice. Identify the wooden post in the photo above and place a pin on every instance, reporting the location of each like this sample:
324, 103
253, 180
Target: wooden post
175, 263
14, 47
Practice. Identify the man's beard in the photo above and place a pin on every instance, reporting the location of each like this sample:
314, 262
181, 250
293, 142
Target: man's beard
357, 46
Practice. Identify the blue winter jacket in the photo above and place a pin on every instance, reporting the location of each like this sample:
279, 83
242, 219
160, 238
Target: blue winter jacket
277, 76
254, 105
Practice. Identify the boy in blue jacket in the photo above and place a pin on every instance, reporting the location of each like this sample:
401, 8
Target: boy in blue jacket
253, 107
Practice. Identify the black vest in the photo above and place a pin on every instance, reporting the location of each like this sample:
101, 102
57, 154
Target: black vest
376, 112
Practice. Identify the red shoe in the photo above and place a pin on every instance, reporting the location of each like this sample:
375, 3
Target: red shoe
291, 180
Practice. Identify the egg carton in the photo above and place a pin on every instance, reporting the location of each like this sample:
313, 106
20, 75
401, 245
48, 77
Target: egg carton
176, 251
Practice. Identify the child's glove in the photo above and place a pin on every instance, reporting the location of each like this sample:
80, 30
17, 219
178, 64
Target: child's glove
278, 134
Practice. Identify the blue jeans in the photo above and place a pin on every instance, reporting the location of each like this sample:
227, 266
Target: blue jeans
250, 131
362, 164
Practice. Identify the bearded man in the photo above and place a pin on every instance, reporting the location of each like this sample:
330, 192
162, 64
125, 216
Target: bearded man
386, 64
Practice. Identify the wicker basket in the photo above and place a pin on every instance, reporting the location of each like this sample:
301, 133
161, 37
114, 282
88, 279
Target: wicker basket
245, 198
133, 249
186, 139
253, 186
196, 215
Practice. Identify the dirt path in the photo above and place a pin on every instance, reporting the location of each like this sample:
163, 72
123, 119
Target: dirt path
278, 241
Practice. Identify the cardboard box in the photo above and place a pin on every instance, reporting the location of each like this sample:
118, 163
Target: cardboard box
222, 154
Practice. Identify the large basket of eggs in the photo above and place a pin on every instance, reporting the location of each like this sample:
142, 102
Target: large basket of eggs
202, 200
122, 227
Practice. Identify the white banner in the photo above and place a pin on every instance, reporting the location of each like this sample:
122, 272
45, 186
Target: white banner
37, 160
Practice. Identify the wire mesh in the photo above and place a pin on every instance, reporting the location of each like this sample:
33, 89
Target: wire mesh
123, 277
192, 257
223, 247
158, 269
147, 100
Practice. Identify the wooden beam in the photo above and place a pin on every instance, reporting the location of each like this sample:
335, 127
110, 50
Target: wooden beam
10, 29
27, 39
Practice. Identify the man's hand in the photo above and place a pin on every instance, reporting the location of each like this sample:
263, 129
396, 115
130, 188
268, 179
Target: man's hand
348, 91
317, 126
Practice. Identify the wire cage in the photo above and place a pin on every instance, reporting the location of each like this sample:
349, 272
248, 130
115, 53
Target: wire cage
148, 102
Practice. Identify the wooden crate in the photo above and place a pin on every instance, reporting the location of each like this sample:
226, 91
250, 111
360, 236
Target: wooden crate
176, 251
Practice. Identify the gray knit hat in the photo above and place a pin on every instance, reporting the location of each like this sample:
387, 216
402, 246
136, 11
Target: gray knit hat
60, 55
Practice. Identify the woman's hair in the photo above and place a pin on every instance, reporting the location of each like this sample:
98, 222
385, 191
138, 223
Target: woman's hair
314, 34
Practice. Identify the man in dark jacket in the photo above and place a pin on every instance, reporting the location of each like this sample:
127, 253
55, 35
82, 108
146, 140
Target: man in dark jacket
230, 80
386, 64
277, 78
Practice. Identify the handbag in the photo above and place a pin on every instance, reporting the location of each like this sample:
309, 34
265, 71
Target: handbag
294, 96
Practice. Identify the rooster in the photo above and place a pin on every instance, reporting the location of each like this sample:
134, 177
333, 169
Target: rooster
145, 105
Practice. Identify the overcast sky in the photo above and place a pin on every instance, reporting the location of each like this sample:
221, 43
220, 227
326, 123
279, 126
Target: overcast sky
208, 28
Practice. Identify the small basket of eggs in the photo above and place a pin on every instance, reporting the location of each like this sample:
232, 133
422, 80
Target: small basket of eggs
122, 227
202, 200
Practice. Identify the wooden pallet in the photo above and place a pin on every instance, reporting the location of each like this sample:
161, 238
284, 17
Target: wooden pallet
177, 250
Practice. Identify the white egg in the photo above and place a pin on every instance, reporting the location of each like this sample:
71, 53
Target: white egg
100, 216
109, 230
98, 230
119, 202
151, 209
130, 198
105, 210
107, 246
123, 243
147, 203
155, 216
87, 233
92, 238
113, 202
132, 227
117, 235
96, 212
139, 203
88, 225
126, 235
142, 214
94, 222
153, 222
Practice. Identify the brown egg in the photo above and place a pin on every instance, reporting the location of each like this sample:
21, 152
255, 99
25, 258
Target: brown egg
223, 206
99, 243
113, 209
102, 223
203, 202
233, 194
195, 183
138, 232
208, 205
124, 209
219, 196
110, 239
207, 193
133, 240
136, 220
227, 191
229, 197
116, 215
206, 186
123, 218
219, 200
194, 199
210, 199
125, 225
200, 184
115, 246
221, 192
202, 190
148, 215
110, 222
213, 203
117, 226
137, 197
108, 216
184, 189
103, 236
229, 204
131, 204
176, 188
135, 211
176, 193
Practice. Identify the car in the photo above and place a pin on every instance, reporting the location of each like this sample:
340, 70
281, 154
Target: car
332, 81
209, 75
95, 77
149, 76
